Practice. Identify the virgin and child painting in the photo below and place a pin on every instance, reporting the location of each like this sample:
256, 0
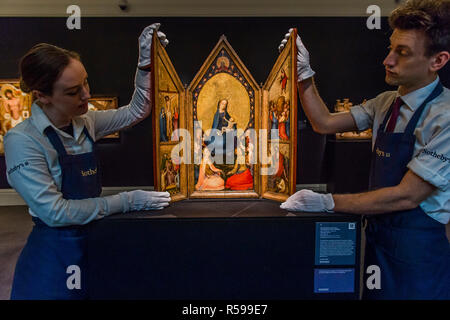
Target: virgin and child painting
224, 108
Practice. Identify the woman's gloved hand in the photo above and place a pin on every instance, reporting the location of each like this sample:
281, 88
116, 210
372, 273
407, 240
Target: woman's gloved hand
145, 42
304, 70
138, 200
140, 101
309, 201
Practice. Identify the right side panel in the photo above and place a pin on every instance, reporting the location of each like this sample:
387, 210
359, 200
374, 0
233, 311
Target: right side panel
279, 117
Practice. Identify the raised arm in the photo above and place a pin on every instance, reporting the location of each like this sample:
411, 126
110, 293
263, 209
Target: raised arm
315, 109
106, 122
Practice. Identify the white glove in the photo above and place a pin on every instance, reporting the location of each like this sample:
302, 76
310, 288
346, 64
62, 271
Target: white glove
140, 100
309, 201
304, 70
145, 42
138, 200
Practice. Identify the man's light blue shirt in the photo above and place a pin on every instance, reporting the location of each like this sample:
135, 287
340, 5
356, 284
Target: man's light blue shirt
431, 156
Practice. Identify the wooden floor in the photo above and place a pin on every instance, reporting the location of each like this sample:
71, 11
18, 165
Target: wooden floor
15, 226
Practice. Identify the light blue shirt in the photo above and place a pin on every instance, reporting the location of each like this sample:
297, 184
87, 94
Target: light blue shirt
431, 156
33, 169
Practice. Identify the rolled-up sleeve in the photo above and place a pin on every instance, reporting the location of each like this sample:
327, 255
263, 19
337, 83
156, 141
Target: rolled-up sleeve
432, 162
28, 174
364, 114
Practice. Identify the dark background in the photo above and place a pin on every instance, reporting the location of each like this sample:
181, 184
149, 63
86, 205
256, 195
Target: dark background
346, 56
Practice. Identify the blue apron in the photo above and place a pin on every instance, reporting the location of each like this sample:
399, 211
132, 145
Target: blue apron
410, 247
41, 270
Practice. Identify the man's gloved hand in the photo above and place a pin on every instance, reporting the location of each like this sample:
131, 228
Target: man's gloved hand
138, 200
304, 70
309, 201
145, 42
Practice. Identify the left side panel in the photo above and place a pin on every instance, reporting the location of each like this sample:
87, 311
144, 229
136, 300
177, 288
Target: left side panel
168, 114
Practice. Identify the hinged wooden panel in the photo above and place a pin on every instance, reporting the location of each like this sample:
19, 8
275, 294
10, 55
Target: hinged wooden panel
168, 114
279, 117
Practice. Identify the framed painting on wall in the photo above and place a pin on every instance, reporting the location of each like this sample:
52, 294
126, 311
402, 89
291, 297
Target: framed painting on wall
14, 106
101, 103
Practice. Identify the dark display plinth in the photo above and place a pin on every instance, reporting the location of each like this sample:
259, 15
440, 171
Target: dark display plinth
349, 165
234, 249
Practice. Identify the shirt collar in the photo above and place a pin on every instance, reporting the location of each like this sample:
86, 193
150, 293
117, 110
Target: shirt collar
41, 121
414, 99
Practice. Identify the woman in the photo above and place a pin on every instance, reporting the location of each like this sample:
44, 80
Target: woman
209, 176
220, 121
51, 162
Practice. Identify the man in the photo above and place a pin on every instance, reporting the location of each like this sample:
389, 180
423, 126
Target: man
408, 205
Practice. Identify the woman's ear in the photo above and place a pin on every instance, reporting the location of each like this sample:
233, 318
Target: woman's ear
41, 97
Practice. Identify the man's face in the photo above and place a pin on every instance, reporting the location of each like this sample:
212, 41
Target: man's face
406, 64
8, 95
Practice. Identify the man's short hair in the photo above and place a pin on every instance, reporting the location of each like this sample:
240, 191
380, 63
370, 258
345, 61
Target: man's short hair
431, 16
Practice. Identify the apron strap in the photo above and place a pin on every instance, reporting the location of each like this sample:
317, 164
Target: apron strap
57, 143
55, 140
86, 132
415, 118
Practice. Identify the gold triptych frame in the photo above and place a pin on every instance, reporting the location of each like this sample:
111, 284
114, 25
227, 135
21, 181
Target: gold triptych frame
224, 102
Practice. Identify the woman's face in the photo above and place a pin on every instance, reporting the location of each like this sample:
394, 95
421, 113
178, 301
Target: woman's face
70, 92
223, 105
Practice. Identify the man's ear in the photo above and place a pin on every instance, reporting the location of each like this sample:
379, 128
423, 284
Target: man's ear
439, 60
41, 97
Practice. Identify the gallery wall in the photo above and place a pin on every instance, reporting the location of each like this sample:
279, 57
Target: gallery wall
345, 54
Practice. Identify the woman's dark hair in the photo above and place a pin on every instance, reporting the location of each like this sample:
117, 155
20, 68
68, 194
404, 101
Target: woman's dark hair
42, 66
430, 16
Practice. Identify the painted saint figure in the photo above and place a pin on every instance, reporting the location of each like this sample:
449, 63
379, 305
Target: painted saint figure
162, 125
283, 81
240, 176
220, 123
210, 177
169, 125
